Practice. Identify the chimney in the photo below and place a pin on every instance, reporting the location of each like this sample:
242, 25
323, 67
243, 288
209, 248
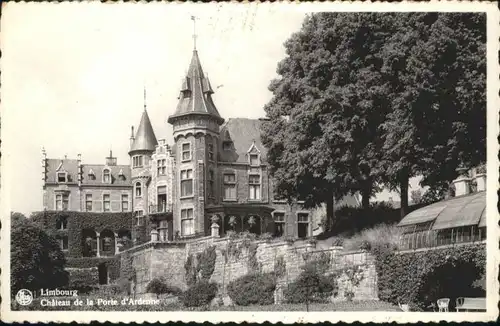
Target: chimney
132, 138
481, 178
462, 183
80, 174
110, 161
44, 165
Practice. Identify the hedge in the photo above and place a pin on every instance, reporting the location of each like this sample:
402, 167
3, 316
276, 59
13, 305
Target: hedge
311, 286
159, 286
83, 279
112, 264
199, 294
251, 289
78, 221
420, 278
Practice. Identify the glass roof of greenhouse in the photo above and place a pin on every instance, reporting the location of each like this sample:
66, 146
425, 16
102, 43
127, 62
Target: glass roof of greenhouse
454, 212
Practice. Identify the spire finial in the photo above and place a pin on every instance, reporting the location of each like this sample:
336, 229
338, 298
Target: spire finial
144, 98
193, 18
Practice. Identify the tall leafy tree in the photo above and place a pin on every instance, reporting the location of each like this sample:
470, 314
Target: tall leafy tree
435, 65
323, 135
36, 258
370, 98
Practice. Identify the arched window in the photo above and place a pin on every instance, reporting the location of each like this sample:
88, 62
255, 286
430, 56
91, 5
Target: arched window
138, 189
106, 176
210, 148
62, 223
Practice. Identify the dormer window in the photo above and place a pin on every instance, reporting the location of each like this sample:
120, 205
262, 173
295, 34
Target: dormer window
121, 175
62, 177
227, 145
254, 159
91, 174
106, 176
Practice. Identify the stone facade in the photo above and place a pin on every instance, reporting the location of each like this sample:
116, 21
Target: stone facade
214, 168
167, 260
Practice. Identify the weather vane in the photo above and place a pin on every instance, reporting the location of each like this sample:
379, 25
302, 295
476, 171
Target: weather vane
193, 18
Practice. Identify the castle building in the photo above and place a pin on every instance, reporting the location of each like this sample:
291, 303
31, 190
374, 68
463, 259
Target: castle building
215, 172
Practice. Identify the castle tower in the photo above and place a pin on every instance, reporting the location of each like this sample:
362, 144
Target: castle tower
196, 124
142, 147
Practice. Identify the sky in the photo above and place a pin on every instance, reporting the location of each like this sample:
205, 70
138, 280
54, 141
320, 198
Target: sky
73, 76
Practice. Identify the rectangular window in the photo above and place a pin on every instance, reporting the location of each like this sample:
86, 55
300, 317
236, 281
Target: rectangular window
211, 188
210, 152
137, 161
162, 167
106, 177
254, 159
138, 217
279, 224
61, 177
106, 244
230, 186
106, 203
186, 183
186, 152
163, 230
88, 202
124, 202
303, 225
187, 222
62, 202
254, 182
64, 243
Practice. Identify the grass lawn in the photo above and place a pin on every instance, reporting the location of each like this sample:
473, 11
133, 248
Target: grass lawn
177, 306
337, 306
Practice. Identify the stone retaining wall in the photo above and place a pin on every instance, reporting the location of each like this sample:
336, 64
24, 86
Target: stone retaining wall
167, 260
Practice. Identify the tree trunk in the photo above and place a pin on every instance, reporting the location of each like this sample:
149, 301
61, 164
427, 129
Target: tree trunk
365, 197
330, 213
403, 180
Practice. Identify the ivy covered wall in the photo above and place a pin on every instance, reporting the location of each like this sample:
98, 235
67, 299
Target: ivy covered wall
224, 260
419, 278
51, 221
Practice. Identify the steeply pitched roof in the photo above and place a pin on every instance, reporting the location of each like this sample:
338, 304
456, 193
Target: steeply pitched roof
145, 139
243, 133
196, 94
98, 170
450, 213
53, 166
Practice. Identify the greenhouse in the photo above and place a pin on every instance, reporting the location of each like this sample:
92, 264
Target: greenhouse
460, 219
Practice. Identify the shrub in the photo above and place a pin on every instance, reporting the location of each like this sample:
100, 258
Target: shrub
206, 263
84, 280
337, 241
159, 286
373, 237
253, 289
36, 258
105, 291
280, 267
266, 237
199, 294
310, 286
423, 277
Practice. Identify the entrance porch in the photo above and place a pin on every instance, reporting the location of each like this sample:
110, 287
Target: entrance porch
255, 219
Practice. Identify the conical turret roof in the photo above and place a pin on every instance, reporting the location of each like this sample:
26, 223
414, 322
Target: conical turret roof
145, 139
196, 94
